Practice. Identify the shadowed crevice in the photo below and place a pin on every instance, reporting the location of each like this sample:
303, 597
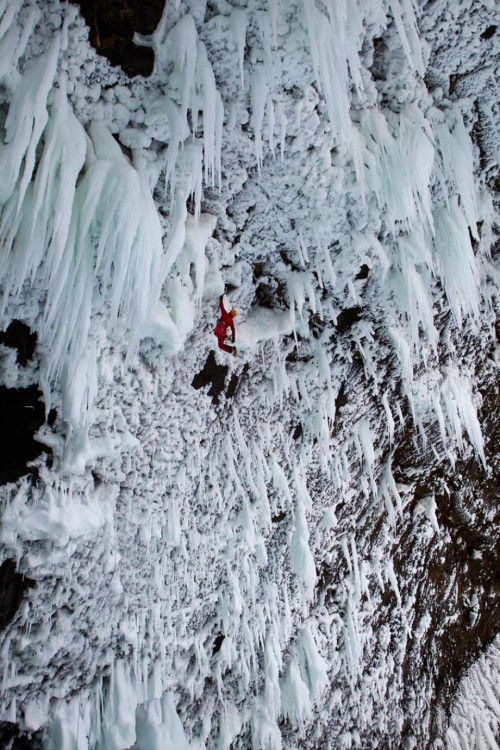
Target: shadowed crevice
11, 738
113, 24
12, 588
19, 336
22, 414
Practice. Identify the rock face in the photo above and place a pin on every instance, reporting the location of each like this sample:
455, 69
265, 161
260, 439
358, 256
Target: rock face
23, 413
112, 25
22, 410
12, 588
454, 581
297, 547
18, 336
13, 739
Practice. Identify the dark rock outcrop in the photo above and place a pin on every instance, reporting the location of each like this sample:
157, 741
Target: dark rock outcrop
113, 24
19, 336
12, 588
11, 738
347, 318
23, 412
455, 580
219, 640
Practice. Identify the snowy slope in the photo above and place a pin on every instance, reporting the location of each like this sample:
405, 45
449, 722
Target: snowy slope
308, 558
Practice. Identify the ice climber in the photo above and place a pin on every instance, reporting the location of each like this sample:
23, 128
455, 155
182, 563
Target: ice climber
225, 321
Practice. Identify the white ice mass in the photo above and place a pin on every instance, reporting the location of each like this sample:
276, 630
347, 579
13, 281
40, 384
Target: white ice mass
262, 565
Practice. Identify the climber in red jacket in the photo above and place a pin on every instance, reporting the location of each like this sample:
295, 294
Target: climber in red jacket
225, 321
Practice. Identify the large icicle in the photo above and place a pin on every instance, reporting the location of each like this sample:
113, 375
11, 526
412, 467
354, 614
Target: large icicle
25, 124
457, 261
328, 46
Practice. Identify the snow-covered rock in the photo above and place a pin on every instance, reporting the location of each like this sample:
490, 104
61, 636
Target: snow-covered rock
308, 558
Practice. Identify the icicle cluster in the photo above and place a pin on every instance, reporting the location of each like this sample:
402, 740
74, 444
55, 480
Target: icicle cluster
248, 590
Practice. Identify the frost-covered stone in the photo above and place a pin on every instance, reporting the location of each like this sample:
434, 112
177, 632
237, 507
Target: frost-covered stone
294, 546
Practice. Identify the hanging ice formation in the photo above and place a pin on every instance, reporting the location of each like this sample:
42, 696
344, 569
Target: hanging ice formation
248, 593
79, 221
103, 206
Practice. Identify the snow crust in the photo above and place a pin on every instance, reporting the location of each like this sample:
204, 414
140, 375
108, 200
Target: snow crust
183, 550
476, 709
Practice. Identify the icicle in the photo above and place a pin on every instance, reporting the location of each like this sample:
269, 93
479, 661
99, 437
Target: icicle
389, 492
355, 30
408, 34
411, 286
270, 124
180, 47
302, 493
428, 504
118, 721
8, 14
391, 577
401, 175
259, 97
273, 15
390, 420
313, 666
299, 284
25, 123
440, 419
295, 698
239, 22
280, 481
159, 726
457, 262
327, 40
8, 49
212, 115
283, 125
301, 558
198, 232
265, 730
304, 256
352, 647
404, 356
356, 577
366, 450
456, 395
230, 725
359, 154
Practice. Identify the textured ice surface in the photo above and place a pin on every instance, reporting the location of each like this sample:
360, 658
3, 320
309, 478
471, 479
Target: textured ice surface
230, 576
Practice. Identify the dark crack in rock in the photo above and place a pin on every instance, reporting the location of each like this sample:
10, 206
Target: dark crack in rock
219, 640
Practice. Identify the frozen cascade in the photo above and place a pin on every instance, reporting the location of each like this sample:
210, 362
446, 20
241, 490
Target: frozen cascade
111, 203
243, 565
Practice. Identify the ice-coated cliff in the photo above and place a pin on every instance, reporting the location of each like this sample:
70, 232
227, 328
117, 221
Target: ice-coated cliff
297, 546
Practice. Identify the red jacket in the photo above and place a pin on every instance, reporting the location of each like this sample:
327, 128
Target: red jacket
225, 321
